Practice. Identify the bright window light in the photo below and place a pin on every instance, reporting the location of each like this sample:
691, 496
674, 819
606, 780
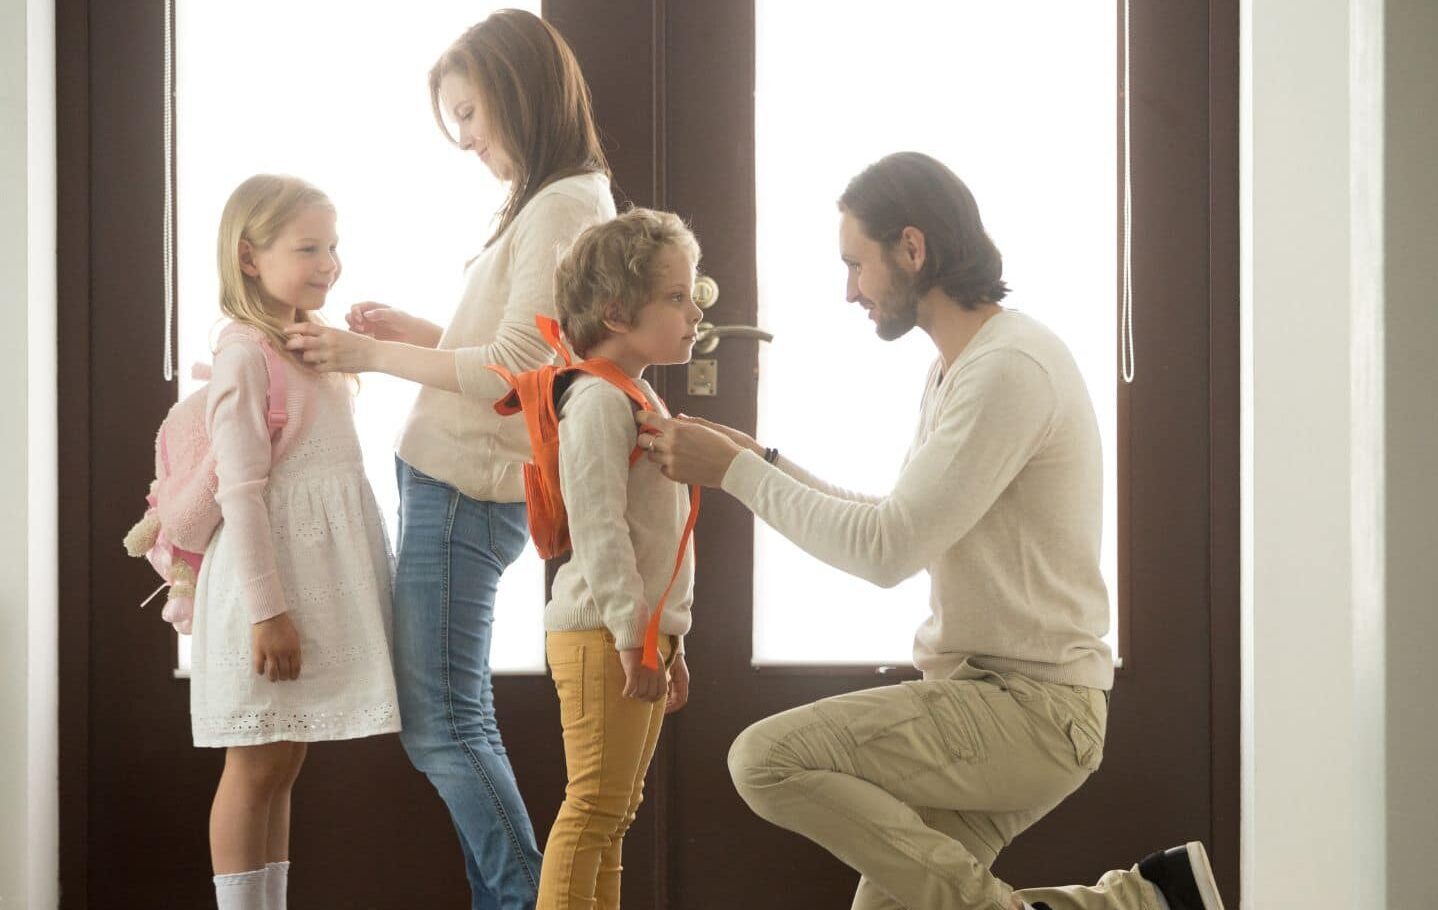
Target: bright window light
1019, 99
338, 94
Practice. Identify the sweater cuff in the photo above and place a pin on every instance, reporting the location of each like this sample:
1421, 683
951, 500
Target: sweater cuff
745, 473
264, 598
628, 631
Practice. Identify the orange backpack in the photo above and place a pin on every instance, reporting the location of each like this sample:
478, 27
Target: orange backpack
536, 393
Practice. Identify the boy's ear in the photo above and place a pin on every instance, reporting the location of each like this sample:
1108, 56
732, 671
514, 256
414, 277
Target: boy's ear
247, 259
614, 319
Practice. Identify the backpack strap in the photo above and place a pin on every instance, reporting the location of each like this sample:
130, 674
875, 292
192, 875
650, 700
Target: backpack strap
549, 328
610, 372
277, 396
277, 390
651, 631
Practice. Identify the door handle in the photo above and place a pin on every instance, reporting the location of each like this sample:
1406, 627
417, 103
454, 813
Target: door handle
709, 335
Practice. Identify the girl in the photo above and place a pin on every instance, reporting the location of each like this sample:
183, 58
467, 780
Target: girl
513, 91
292, 606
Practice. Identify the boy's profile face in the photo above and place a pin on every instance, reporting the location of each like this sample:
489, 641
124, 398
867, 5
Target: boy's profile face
665, 327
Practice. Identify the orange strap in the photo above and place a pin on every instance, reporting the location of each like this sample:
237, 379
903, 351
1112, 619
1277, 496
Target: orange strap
549, 328
651, 632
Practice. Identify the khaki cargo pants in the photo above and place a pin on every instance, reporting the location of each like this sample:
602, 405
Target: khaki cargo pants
919, 786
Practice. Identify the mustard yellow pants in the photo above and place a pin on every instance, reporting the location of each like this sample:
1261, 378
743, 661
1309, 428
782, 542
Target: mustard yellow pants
609, 741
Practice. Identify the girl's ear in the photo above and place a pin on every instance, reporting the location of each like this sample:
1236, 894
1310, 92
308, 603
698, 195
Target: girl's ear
614, 319
247, 259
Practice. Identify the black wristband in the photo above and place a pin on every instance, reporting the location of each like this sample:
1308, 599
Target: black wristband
771, 455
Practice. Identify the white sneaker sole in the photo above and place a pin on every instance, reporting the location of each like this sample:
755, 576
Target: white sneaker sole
1203, 876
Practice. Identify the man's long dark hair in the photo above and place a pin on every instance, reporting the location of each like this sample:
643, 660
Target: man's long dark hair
911, 189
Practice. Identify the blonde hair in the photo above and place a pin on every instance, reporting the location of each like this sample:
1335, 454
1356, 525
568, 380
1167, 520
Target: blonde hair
613, 263
257, 211
536, 99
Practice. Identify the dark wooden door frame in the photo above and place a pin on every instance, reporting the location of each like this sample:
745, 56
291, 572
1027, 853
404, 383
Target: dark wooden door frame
1182, 419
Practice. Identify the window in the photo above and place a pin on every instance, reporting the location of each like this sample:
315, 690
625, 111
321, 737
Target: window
1026, 116
340, 97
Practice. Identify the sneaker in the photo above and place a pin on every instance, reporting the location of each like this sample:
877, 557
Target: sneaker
1184, 876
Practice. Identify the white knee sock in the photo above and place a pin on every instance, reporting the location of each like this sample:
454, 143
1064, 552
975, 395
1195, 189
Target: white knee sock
241, 890
277, 881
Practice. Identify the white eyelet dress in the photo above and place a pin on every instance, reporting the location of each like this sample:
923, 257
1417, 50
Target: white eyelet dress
305, 536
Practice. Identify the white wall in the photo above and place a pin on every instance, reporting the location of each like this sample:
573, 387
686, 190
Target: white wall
14, 458
1298, 683
43, 837
1340, 259
28, 814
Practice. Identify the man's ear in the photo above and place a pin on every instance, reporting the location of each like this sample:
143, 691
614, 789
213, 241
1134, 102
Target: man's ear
247, 259
913, 248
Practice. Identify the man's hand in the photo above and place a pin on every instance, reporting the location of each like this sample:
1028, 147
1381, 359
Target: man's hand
678, 685
685, 450
639, 681
738, 437
275, 648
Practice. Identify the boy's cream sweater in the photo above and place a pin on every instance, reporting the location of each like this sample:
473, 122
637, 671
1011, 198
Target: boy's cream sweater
625, 523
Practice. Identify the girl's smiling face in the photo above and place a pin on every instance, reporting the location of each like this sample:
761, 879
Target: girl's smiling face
299, 268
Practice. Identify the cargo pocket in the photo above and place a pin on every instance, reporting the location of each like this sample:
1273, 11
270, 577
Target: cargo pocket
946, 704
1088, 747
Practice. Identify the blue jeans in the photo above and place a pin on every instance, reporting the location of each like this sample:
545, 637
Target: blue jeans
451, 552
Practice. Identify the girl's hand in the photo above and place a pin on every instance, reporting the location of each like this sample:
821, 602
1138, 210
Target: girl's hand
275, 648
385, 323
678, 685
331, 350
639, 681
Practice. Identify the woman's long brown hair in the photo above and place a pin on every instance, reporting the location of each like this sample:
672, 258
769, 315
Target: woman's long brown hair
536, 99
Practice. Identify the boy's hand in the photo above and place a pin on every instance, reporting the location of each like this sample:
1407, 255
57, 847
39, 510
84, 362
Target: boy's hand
275, 648
639, 681
678, 685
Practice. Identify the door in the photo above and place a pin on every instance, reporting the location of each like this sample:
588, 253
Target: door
1171, 757
674, 83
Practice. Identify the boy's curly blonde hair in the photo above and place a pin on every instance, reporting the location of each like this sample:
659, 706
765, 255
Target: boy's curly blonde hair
613, 263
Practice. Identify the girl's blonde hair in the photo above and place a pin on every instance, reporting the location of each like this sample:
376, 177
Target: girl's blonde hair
610, 270
536, 98
257, 211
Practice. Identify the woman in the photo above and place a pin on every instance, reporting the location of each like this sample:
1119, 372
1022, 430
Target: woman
515, 93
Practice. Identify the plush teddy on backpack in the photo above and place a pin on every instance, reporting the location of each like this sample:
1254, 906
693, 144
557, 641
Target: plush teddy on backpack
183, 514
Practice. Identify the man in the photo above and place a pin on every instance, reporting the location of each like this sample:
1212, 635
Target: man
919, 786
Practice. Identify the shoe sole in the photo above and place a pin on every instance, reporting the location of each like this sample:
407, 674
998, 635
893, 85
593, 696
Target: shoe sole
1203, 876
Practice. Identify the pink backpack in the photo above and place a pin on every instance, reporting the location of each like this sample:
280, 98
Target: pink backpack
182, 514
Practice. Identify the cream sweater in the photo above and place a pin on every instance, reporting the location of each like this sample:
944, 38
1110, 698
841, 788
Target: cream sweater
457, 437
1000, 500
625, 523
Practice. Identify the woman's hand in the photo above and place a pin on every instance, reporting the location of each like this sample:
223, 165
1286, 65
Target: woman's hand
330, 350
385, 323
275, 648
678, 685
686, 451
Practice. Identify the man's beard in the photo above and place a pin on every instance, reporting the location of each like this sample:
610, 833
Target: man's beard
898, 310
